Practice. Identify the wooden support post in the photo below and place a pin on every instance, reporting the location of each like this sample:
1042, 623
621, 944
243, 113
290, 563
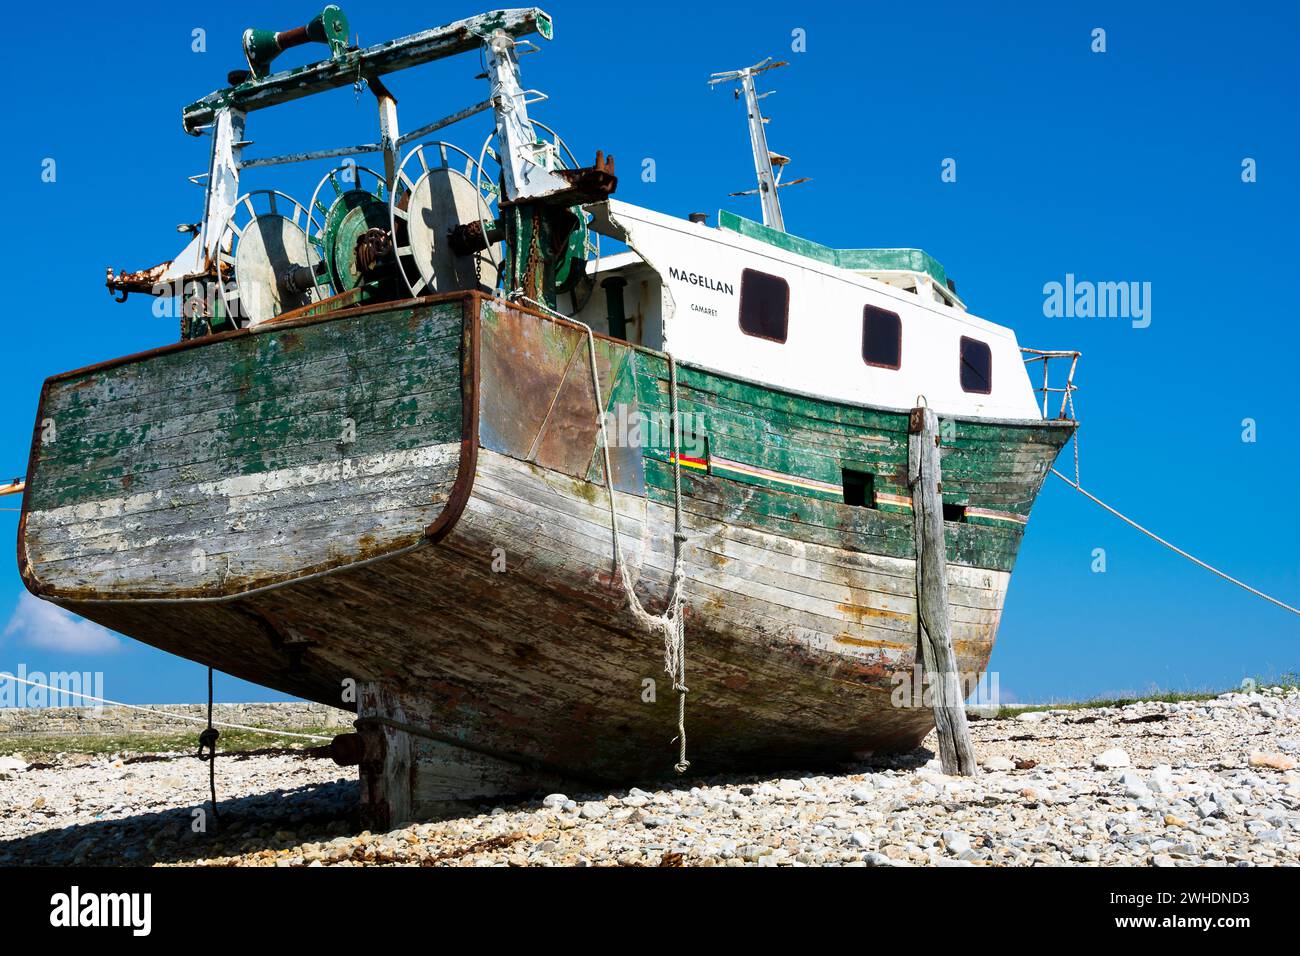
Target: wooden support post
935, 636
406, 775
386, 760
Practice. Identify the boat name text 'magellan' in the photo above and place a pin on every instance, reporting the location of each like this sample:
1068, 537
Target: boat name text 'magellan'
704, 282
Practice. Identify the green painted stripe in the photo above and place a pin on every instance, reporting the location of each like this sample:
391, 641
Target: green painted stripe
855, 260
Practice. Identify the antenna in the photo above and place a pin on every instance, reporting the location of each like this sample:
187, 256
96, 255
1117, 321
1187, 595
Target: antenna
769, 166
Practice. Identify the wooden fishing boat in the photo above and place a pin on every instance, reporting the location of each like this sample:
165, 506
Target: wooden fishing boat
387, 489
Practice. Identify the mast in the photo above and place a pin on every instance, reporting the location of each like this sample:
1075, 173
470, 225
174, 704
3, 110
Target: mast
767, 164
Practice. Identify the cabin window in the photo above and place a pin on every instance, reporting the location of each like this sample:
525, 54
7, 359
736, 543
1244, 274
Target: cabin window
882, 338
859, 488
976, 366
764, 305
954, 512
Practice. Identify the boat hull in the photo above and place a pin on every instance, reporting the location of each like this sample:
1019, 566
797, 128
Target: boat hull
402, 510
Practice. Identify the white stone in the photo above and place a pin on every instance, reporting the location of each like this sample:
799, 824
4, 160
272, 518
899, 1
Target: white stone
1162, 779
593, 811
957, 843
1111, 759
999, 763
555, 801
1133, 784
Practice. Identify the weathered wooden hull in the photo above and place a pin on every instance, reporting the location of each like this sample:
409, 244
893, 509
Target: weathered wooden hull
411, 498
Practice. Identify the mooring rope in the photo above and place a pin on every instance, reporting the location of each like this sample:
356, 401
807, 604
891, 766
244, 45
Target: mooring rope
5, 675
1174, 548
1077, 485
670, 624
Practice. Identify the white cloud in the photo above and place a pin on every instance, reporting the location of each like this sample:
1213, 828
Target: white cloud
51, 628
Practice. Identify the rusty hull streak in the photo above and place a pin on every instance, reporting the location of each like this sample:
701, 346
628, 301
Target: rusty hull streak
467, 467
24, 566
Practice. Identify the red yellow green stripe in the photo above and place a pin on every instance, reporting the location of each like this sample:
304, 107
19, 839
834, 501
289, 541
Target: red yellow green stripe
700, 464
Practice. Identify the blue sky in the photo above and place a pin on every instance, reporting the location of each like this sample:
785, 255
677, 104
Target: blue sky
1116, 166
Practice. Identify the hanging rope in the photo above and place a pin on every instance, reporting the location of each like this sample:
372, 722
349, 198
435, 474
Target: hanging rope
670, 624
5, 675
208, 753
674, 644
1177, 550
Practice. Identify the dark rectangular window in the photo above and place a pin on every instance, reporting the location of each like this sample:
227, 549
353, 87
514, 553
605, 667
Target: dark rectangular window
764, 305
882, 338
954, 512
976, 366
859, 488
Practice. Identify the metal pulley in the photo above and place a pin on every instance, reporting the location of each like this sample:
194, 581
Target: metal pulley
432, 200
265, 266
351, 235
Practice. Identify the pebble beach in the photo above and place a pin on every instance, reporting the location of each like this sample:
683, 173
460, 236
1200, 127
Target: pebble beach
1190, 783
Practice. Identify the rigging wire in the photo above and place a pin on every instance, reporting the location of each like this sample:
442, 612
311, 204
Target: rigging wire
1174, 548
5, 675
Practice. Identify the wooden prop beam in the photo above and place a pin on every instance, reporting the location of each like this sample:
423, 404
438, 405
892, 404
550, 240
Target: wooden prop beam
935, 637
408, 775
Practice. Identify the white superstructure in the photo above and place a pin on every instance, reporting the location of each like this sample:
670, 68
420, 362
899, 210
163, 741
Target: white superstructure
687, 280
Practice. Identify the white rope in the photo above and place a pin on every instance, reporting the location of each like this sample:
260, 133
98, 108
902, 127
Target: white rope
5, 675
1077, 485
1159, 540
670, 623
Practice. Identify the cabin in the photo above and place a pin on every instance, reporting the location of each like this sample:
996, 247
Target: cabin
868, 326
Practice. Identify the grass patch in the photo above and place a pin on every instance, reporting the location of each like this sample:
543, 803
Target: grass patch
33, 745
1287, 680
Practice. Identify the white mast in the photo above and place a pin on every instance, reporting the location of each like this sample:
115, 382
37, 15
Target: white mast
769, 179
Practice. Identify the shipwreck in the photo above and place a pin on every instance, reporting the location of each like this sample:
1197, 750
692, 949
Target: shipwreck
425, 450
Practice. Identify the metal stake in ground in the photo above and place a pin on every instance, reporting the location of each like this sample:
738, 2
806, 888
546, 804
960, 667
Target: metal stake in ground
935, 638
208, 753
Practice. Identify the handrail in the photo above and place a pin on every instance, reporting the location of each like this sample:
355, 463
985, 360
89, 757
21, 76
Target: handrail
1067, 390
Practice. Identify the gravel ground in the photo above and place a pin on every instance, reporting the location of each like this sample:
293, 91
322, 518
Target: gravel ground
1162, 784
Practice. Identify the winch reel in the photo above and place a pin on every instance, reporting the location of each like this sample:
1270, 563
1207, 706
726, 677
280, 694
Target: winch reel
425, 210
352, 235
264, 264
